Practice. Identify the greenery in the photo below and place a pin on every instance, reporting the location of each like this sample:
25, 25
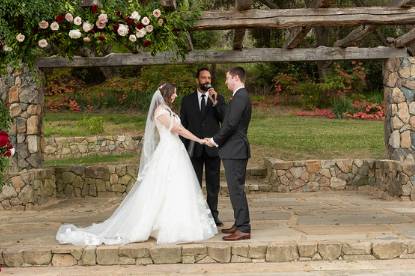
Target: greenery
5, 121
93, 159
341, 105
23, 36
94, 125
273, 133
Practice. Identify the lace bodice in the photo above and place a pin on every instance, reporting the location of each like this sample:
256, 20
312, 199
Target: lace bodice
165, 120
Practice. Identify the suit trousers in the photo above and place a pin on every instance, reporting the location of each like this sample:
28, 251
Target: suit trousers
212, 177
235, 171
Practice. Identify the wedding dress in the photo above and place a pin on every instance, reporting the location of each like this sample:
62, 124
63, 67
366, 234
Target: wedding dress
166, 201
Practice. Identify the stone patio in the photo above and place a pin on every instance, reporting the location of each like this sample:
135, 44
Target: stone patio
344, 225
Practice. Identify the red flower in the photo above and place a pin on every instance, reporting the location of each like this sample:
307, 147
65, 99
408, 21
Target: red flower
146, 43
4, 139
129, 21
94, 8
139, 26
115, 27
60, 18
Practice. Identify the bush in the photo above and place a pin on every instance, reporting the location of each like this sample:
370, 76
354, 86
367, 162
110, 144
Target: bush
5, 121
342, 105
94, 125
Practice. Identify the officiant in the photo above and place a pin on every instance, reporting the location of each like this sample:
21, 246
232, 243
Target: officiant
202, 113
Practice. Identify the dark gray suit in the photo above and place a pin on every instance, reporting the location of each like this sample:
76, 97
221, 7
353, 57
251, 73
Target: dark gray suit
234, 151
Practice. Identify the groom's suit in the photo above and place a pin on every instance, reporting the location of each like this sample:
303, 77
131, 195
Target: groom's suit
234, 151
204, 122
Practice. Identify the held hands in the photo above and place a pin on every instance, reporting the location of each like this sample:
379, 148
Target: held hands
209, 143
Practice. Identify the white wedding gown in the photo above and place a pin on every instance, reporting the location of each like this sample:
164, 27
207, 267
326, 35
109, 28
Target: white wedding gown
167, 204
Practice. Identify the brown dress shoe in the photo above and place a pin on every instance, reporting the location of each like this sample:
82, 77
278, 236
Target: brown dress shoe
229, 230
237, 236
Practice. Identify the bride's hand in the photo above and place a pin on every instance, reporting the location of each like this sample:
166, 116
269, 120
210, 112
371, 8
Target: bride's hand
202, 141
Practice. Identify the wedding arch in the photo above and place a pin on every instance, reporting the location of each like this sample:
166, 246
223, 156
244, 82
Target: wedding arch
24, 93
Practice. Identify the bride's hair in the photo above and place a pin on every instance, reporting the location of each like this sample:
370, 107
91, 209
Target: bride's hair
167, 90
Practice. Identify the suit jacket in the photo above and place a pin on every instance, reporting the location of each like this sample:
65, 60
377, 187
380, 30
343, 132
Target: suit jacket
201, 125
232, 138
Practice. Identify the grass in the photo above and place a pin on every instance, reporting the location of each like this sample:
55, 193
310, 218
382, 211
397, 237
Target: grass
295, 138
65, 124
93, 159
271, 133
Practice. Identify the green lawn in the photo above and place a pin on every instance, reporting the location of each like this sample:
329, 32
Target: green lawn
271, 134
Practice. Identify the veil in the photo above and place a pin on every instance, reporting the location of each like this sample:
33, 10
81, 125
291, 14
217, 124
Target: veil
151, 137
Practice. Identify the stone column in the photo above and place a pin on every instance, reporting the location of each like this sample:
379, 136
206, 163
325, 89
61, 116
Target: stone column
22, 90
399, 84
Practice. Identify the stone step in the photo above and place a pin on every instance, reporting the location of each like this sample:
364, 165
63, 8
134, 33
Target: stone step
149, 253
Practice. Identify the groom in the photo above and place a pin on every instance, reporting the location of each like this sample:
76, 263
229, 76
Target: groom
234, 151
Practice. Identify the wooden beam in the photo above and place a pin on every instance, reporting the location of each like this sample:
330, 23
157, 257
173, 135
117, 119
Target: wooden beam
362, 31
227, 56
169, 4
297, 34
239, 34
405, 39
403, 3
269, 4
287, 18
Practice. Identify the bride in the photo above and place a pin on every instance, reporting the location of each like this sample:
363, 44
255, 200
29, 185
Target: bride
166, 201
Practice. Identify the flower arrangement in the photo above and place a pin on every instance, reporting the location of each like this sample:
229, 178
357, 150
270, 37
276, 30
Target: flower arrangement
6, 147
64, 28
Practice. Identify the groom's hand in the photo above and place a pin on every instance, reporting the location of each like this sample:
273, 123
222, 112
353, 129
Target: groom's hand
208, 142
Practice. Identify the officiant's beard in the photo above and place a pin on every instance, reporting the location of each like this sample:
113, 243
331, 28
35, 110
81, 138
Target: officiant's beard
202, 86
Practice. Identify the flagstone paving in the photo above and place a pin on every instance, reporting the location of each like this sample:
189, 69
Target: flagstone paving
285, 227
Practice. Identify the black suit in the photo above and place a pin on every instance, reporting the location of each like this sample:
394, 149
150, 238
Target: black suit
234, 151
204, 124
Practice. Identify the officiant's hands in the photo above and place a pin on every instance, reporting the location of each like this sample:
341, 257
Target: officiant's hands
213, 95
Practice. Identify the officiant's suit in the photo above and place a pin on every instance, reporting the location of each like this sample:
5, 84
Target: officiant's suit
202, 118
234, 150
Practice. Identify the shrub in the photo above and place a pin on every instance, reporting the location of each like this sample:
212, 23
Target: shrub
5, 121
342, 105
94, 125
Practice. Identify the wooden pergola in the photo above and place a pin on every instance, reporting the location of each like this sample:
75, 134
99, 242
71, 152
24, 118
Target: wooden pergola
299, 22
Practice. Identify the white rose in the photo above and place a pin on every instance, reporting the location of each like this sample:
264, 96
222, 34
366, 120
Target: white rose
77, 21
54, 26
7, 48
12, 151
122, 30
157, 13
149, 28
20, 37
132, 38
145, 21
160, 21
75, 34
43, 24
87, 39
141, 33
103, 17
87, 26
135, 16
69, 17
43, 43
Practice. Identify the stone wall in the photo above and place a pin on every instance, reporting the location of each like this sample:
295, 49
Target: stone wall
382, 177
19, 89
95, 180
28, 188
74, 147
399, 83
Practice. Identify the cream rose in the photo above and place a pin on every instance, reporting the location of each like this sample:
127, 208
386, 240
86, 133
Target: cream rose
43, 24
122, 30
75, 34
43, 43
54, 26
77, 21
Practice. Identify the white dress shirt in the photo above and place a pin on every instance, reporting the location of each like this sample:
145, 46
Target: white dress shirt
199, 97
233, 94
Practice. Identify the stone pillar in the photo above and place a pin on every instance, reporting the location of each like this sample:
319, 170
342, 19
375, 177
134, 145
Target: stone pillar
22, 90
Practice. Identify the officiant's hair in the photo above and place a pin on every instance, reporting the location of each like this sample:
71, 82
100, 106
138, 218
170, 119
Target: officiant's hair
238, 71
167, 90
201, 70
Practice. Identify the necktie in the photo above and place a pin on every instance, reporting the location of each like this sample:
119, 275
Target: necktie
203, 104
